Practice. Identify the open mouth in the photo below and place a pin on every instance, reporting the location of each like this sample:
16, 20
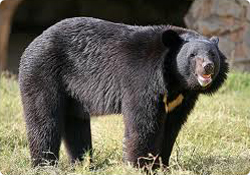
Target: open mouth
204, 79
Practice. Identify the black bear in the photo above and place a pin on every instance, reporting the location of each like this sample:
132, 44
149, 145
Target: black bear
81, 66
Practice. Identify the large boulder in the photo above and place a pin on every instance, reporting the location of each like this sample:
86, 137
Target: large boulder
228, 19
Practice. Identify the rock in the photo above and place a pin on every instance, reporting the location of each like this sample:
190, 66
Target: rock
226, 46
226, 8
246, 34
228, 19
248, 13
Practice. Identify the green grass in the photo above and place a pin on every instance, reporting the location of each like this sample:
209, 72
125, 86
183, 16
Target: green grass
215, 139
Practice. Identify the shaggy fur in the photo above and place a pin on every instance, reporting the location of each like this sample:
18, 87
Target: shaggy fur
85, 66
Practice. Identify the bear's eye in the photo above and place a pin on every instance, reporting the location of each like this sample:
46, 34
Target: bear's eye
192, 55
212, 54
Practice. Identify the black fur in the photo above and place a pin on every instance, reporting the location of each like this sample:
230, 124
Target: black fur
85, 66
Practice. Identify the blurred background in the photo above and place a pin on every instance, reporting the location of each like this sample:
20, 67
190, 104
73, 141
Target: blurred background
22, 20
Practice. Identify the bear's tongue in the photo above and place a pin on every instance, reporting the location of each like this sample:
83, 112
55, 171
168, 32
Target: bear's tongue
206, 76
204, 79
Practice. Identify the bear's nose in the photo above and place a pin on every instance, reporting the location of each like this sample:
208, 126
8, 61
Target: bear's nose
208, 67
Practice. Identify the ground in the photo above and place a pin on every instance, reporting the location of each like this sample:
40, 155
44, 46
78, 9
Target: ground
215, 139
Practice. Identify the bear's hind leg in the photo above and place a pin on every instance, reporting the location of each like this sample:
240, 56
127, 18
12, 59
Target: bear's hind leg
77, 133
43, 115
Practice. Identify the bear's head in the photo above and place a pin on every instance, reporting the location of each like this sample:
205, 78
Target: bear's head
195, 61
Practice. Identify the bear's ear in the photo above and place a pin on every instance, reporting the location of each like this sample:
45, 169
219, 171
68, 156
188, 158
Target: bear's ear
215, 40
170, 38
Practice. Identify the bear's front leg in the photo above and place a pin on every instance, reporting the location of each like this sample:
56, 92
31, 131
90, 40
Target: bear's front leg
144, 131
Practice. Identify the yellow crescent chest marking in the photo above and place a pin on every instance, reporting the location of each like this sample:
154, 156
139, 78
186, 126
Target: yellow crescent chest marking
173, 104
